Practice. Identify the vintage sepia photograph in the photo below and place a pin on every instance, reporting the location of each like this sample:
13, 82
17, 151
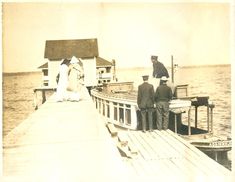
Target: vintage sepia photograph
117, 91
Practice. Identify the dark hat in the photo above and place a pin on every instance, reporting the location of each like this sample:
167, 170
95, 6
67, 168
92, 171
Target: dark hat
65, 61
154, 57
145, 77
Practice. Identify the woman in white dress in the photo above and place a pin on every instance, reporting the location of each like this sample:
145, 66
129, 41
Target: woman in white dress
61, 92
75, 80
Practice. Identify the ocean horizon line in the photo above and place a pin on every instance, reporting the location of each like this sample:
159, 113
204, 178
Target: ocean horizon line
137, 67
189, 66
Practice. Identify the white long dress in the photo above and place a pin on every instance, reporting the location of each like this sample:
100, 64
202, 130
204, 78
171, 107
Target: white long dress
75, 83
61, 93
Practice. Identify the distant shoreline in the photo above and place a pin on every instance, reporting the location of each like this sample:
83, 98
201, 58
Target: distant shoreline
194, 66
209, 65
20, 73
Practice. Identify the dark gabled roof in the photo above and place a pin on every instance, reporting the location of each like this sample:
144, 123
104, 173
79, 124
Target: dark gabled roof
45, 65
100, 62
61, 49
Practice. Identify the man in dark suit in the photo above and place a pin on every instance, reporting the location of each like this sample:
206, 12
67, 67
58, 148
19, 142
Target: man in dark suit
145, 101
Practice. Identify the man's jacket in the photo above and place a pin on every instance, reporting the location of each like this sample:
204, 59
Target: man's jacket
159, 70
145, 98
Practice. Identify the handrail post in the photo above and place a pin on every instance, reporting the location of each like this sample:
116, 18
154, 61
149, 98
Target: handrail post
211, 111
43, 96
172, 70
175, 118
114, 69
196, 116
35, 99
208, 116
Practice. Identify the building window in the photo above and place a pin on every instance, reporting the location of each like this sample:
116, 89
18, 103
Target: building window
121, 113
103, 108
115, 111
96, 103
99, 105
108, 69
108, 109
45, 72
128, 114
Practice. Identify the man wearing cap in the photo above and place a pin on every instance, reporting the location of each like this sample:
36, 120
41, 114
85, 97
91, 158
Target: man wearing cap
163, 95
145, 101
159, 70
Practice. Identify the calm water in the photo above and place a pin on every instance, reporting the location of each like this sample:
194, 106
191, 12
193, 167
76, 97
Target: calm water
18, 98
203, 81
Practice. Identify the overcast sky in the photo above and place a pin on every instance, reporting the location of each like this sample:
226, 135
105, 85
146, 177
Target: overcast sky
194, 33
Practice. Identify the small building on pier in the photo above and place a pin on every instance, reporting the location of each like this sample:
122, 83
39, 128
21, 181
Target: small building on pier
104, 71
96, 69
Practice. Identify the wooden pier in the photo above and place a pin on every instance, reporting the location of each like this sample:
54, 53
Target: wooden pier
62, 141
68, 141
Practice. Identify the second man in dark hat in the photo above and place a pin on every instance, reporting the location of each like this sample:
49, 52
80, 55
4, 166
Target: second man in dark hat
145, 101
159, 70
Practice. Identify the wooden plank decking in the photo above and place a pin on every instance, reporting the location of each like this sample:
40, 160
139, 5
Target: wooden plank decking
62, 141
164, 155
68, 141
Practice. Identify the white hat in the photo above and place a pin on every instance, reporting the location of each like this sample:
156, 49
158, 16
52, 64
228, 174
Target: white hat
74, 60
164, 78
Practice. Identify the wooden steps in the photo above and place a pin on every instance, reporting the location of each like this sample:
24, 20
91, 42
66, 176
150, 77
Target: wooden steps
112, 129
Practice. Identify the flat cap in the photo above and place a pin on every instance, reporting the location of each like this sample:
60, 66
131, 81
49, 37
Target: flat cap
145, 77
154, 57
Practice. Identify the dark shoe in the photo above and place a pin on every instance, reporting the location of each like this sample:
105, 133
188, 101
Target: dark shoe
143, 131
